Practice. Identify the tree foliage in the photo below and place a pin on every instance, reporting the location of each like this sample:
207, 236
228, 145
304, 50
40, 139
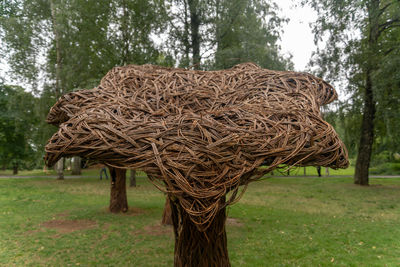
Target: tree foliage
248, 31
132, 24
218, 34
18, 120
93, 36
362, 48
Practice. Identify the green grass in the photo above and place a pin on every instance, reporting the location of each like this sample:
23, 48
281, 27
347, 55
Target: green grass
278, 222
41, 173
37, 172
312, 171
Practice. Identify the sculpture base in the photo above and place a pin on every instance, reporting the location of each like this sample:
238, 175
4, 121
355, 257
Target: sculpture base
197, 249
167, 213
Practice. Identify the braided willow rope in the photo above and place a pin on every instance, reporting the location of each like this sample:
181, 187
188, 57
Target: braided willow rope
199, 134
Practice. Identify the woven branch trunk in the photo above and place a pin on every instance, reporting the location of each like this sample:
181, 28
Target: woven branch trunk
199, 249
167, 213
118, 199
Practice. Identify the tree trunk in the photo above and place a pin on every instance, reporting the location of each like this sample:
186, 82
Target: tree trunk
199, 249
185, 37
118, 199
367, 127
125, 33
15, 169
195, 34
59, 88
167, 213
76, 166
132, 179
60, 169
367, 136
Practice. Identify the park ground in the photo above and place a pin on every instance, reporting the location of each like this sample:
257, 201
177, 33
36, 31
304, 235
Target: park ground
280, 221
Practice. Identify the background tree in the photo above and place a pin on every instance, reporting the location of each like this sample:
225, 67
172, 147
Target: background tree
46, 48
185, 18
221, 33
76, 166
362, 45
18, 119
248, 31
132, 25
132, 178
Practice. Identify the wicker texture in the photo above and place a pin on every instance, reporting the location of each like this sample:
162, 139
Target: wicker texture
199, 134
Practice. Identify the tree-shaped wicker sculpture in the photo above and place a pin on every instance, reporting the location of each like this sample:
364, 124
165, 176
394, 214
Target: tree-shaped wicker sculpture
199, 135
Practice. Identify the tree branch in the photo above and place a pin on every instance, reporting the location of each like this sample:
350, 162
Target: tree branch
384, 8
387, 52
389, 24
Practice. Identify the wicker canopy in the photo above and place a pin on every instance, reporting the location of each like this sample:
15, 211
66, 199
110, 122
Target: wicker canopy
199, 134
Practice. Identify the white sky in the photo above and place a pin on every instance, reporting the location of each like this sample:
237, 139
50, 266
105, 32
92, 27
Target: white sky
297, 38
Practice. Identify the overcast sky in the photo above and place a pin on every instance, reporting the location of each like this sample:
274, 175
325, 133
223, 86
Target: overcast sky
297, 38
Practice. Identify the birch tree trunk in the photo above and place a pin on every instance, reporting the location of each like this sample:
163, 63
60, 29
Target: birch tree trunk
76, 166
60, 169
58, 87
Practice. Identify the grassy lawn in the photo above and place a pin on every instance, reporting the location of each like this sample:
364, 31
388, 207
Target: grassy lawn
92, 172
294, 171
278, 222
42, 173
312, 171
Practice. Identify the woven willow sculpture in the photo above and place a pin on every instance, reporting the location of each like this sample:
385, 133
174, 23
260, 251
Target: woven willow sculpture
199, 135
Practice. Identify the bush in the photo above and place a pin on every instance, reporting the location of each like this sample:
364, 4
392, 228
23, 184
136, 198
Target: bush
388, 168
380, 158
